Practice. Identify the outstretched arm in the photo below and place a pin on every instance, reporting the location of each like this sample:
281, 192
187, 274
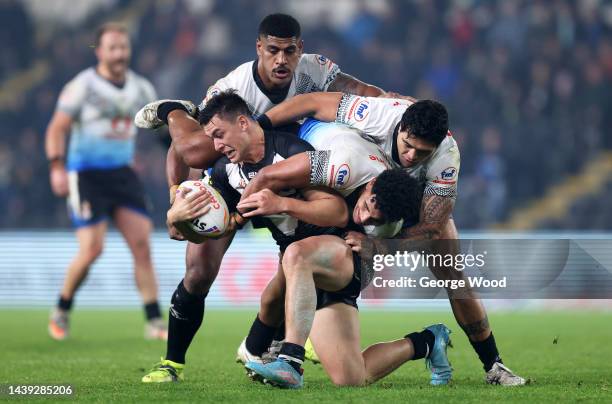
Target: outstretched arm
322, 106
291, 173
345, 83
321, 207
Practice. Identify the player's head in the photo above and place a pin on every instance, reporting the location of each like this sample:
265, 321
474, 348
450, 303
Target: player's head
113, 48
279, 47
227, 119
422, 128
391, 196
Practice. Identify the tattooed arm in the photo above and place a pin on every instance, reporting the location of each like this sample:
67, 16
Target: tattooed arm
346, 83
435, 213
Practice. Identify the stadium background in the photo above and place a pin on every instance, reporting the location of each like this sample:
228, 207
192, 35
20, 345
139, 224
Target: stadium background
527, 85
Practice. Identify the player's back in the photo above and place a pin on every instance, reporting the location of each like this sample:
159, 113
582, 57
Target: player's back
102, 135
352, 160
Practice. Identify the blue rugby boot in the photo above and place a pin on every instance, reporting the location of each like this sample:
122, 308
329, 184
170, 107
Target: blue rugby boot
437, 360
278, 373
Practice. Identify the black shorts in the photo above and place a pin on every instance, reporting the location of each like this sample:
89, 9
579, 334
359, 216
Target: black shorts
347, 295
95, 194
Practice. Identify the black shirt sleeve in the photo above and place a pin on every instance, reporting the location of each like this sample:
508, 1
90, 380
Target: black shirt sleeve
287, 144
221, 183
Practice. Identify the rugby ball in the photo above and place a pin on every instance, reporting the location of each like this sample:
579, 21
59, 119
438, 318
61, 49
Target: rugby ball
215, 221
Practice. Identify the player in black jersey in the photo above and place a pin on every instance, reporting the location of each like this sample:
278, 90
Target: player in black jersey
247, 149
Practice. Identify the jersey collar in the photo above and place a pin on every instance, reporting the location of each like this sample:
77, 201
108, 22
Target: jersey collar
276, 96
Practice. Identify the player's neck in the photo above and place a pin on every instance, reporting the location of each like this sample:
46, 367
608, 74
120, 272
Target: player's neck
106, 73
257, 151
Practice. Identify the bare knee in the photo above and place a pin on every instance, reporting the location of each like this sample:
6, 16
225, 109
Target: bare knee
296, 257
344, 378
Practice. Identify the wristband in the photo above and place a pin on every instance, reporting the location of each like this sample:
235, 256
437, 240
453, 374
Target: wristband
166, 107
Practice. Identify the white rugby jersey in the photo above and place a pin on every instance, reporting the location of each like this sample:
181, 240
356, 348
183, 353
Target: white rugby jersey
313, 73
103, 133
378, 120
345, 161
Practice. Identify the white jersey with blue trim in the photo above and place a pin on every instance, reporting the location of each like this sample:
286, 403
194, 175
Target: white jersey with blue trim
313, 73
377, 119
103, 133
343, 160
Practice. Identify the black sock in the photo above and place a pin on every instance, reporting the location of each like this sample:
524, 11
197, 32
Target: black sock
152, 310
165, 108
422, 342
280, 333
293, 354
186, 314
260, 337
487, 352
64, 304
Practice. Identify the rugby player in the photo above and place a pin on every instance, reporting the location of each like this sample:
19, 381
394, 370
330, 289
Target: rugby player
414, 135
280, 71
345, 162
248, 149
97, 108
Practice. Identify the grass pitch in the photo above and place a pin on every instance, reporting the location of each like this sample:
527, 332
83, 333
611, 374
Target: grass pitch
568, 356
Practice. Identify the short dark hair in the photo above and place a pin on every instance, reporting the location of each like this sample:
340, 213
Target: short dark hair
427, 120
280, 26
226, 104
398, 195
108, 27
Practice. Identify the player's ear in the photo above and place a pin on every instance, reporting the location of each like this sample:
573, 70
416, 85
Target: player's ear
243, 122
370, 184
300, 45
259, 46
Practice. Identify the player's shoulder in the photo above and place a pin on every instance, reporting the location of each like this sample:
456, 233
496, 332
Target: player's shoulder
141, 81
240, 74
84, 77
447, 154
313, 59
449, 145
138, 78
315, 62
286, 143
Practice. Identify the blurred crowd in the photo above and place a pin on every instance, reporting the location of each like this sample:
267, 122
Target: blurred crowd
526, 83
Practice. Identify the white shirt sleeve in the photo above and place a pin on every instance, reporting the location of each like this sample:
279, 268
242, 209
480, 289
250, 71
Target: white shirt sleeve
322, 71
376, 117
443, 171
220, 85
72, 96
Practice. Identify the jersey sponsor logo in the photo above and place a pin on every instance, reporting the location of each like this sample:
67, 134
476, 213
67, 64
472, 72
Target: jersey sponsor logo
342, 175
447, 176
361, 109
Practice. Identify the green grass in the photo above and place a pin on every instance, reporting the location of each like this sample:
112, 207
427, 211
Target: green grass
106, 357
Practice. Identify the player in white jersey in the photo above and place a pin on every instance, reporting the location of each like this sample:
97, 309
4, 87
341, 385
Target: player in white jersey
415, 136
280, 71
97, 108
